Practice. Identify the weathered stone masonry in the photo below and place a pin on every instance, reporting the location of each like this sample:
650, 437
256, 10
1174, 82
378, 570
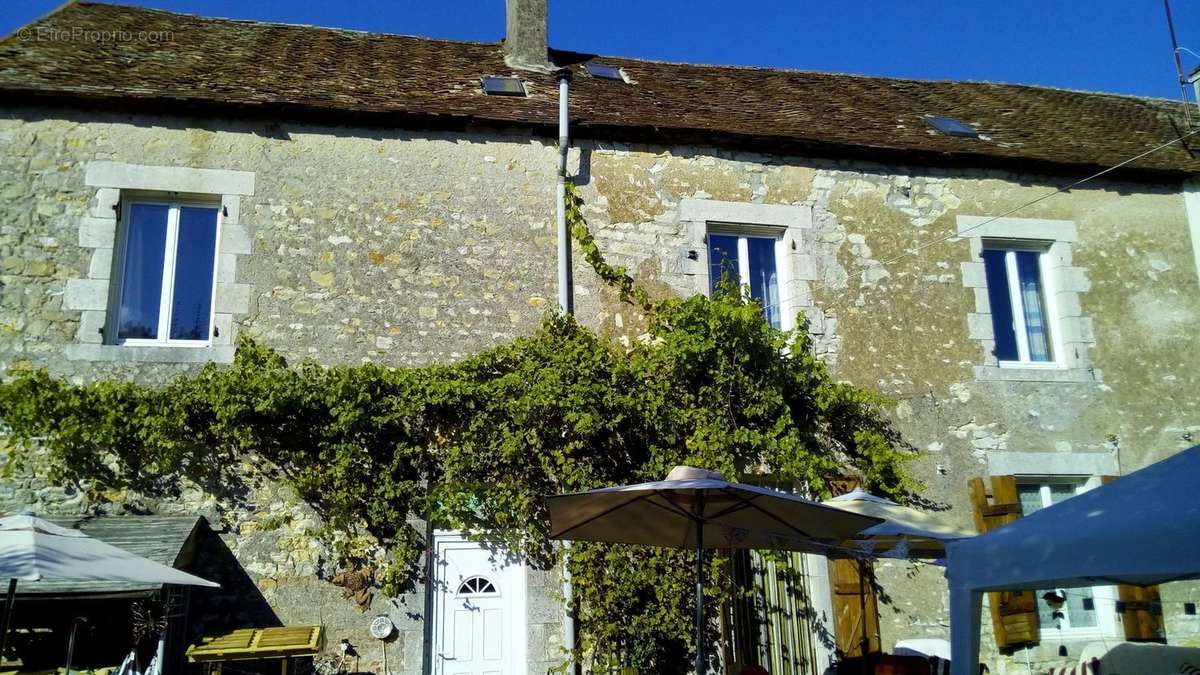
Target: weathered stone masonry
410, 247
358, 245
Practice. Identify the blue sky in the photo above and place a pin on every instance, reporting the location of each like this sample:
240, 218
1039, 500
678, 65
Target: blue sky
1101, 45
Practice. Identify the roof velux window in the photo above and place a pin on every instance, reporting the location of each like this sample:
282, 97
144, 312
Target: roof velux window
496, 85
951, 127
604, 71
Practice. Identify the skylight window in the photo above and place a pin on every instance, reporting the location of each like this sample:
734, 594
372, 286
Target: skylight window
603, 71
951, 127
495, 85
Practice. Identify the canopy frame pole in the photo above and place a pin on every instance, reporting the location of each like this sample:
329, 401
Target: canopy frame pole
966, 610
701, 659
9, 600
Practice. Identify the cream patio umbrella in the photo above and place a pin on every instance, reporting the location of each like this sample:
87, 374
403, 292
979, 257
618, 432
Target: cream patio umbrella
699, 509
904, 533
32, 549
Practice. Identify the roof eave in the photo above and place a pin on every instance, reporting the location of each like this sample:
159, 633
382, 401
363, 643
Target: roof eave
766, 144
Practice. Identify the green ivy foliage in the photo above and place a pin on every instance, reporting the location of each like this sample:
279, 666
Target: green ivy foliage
477, 445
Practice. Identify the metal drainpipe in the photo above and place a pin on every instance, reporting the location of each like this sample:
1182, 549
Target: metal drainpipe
566, 302
568, 592
566, 293
430, 584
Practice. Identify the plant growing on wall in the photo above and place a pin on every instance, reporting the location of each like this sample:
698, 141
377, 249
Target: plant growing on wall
477, 445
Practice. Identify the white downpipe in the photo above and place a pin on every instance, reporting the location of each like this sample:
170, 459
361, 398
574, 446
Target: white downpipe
1191, 201
566, 302
568, 592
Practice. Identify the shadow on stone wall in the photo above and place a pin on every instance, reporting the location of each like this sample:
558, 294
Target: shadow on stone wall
237, 604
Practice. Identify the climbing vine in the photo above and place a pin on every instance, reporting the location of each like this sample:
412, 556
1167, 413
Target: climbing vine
476, 445
615, 277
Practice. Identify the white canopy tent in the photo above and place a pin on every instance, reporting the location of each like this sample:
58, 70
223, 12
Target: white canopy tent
1141, 529
32, 549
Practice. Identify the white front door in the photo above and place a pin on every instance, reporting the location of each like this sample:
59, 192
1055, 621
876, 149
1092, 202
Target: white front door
479, 610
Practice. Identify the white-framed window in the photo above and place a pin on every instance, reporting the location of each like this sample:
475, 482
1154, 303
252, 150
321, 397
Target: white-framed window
1086, 612
751, 260
1022, 304
165, 273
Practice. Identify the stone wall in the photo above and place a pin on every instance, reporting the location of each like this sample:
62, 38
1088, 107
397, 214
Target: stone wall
903, 323
411, 247
365, 245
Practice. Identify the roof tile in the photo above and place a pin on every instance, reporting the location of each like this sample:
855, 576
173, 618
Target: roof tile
402, 80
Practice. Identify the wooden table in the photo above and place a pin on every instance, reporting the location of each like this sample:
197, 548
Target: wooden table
255, 644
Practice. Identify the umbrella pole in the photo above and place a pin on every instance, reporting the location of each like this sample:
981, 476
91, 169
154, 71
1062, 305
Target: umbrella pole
71, 644
862, 599
8, 612
701, 661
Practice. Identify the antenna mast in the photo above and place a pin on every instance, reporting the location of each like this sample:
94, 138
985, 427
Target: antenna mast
1183, 81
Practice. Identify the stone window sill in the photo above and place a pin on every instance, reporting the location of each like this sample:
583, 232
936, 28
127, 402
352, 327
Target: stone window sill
1018, 374
142, 354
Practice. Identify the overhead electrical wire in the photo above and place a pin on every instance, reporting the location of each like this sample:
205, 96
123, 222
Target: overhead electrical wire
1066, 188
786, 301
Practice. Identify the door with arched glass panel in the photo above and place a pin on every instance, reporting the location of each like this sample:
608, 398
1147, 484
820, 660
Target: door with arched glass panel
479, 617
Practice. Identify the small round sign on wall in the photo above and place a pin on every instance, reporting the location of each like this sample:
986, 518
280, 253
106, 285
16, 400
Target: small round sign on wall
382, 628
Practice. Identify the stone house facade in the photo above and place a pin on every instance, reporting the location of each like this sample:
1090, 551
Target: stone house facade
363, 199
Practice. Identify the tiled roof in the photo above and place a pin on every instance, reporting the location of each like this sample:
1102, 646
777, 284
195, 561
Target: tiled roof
288, 70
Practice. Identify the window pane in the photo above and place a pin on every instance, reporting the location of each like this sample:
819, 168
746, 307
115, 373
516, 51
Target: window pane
722, 260
1046, 619
1001, 303
1073, 613
1030, 281
1031, 498
191, 299
1076, 614
1061, 491
764, 279
142, 271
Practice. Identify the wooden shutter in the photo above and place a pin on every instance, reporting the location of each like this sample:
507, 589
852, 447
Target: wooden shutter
1140, 608
1014, 614
848, 605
